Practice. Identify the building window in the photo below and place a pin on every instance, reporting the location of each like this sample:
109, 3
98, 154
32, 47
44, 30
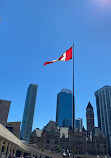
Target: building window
56, 142
47, 142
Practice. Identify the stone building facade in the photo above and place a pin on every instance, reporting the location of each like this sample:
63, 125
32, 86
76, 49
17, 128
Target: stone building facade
64, 140
80, 140
96, 141
89, 118
52, 137
36, 137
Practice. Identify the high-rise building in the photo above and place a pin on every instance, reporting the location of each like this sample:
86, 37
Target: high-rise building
64, 108
4, 110
79, 124
27, 121
103, 103
89, 118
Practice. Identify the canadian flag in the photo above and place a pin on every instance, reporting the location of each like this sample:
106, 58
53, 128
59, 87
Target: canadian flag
65, 57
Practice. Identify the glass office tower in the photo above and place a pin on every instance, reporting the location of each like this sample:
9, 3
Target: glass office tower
64, 108
27, 121
79, 124
103, 103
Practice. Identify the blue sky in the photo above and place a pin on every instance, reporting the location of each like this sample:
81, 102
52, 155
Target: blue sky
35, 31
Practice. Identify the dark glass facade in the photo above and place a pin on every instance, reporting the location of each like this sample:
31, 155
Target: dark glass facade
79, 124
27, 121
64, 108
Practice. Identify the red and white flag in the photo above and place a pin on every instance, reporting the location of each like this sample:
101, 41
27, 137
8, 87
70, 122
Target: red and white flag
65, 57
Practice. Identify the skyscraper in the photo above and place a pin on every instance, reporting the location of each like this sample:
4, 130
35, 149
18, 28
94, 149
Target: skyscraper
27, 121
90, 118
64, 108
103, 103
79, 124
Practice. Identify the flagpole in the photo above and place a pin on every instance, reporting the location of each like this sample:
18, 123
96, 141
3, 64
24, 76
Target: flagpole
73, 106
